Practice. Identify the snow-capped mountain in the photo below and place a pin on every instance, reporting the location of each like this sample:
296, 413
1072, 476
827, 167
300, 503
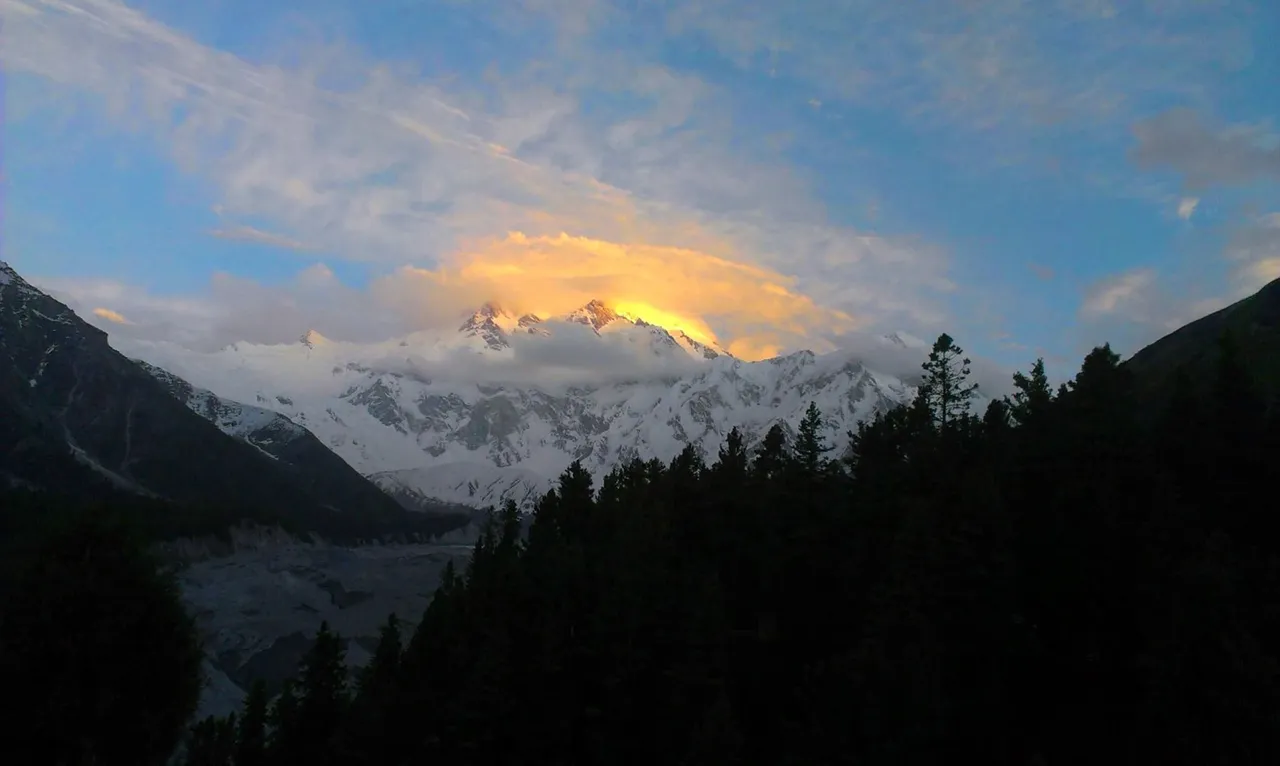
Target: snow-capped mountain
500, 406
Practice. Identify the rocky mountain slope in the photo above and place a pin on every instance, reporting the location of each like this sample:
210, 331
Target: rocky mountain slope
1254, 325
312, 465
76, 416
499, 406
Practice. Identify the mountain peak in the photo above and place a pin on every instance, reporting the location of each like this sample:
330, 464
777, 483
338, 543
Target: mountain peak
10, 276
490, 310
595, 314
905, 340
488, 313
530, 323
312, 338
490, 323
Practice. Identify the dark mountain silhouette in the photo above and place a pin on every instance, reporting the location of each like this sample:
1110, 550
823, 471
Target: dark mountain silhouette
77, 416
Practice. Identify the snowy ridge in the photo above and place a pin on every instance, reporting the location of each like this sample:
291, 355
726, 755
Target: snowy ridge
13, 285
260, 427
457, 416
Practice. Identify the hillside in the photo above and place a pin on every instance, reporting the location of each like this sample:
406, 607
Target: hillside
1254, 325
76, 416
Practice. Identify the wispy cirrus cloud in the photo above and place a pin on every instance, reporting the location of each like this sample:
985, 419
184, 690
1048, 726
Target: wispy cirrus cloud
259, 236
1137, 307
1125, 293
986, 64
393, 169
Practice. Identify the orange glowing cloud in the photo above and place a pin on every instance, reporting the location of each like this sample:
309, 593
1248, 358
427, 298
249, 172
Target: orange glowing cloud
752, 311
110, 316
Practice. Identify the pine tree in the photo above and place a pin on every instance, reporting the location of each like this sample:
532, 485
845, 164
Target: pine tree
733, 460
372, 734
378, 677
212, 742
323, 686
810, 444
286, 736
251, 734
996, 418
945, 390
1032, 394
771, 455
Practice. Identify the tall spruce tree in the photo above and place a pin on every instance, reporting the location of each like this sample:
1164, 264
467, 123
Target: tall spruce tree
772, 454
1032, 394
733, 459
324, 695
811, 446
251, 730
286, 741
945, 390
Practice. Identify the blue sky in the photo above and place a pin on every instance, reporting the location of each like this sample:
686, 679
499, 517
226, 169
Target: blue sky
1033, 178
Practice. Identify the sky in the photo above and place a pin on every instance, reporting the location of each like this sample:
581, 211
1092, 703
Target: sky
1034, 178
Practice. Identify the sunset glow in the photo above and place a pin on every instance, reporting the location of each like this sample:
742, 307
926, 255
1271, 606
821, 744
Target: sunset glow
752, 311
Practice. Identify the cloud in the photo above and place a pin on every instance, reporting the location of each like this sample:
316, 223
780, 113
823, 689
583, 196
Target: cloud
1205, 154
1142, 305
1254, 249
251, 234
394, 169
1134, 308
175, 331
1262, 271
1187, 206
753, 311
983, 66
1121, 293
110, 316
231, 309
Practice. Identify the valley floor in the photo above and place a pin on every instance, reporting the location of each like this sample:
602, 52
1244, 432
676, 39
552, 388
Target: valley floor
257, 610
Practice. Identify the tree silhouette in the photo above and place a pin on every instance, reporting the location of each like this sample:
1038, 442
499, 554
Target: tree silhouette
97, 645
811, 446
945, 391
251, 732
1073, 573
